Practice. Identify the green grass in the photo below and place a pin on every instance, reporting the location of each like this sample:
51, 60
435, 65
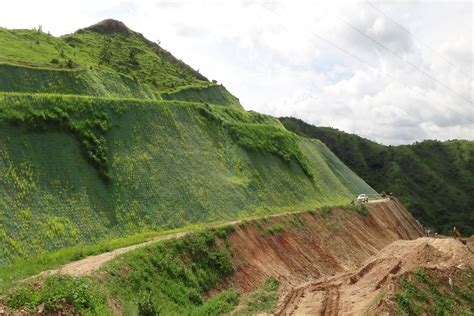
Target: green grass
175, 273
130, 54
421, 292
297, 221
95, 62
326, 211
90, 81
170, 277
57, 293
78, 117
359, 208
262, 300
210, 93
416, 173
24, 268
275, 229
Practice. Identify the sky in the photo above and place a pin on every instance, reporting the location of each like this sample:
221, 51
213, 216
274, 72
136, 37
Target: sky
395, 72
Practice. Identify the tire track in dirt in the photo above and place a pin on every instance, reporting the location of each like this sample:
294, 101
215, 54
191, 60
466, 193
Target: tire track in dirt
331, 303
291, 302
352, 293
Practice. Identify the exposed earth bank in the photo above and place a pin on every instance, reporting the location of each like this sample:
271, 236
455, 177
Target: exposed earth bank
299, 247
347, 264
349, 260
373, 288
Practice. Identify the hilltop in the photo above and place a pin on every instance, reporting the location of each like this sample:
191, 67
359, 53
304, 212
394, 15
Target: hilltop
107, 139
434, 179
106, 60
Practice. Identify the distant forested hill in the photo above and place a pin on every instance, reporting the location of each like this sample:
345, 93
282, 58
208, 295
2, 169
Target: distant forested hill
434, 179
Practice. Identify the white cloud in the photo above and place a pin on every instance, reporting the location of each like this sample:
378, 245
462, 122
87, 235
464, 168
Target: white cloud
270, 55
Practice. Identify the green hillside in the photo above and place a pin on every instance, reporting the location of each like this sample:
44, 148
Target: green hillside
103, 148
108, 45
434, 179
214, 94
76, 169
93, 82
107, 60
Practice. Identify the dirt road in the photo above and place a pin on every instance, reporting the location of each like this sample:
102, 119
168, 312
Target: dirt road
92, 263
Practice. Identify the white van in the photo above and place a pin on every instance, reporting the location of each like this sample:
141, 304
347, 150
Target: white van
364, 198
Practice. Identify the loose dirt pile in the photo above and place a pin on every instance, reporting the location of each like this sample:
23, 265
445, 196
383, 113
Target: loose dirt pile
470, 243
356, 292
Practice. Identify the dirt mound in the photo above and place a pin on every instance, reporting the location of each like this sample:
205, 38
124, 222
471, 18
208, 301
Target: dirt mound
470, 243
356, 292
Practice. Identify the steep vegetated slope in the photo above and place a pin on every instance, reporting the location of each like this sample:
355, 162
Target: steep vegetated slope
93, 82
76, 169
103, 157
213, 271
215, 94
435, 180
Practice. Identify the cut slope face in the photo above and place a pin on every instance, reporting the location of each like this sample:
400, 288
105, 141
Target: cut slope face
315, 245
92, 82
78, 169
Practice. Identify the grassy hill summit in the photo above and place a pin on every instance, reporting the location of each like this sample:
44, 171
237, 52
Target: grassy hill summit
107, 60
434, 179
107, 139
